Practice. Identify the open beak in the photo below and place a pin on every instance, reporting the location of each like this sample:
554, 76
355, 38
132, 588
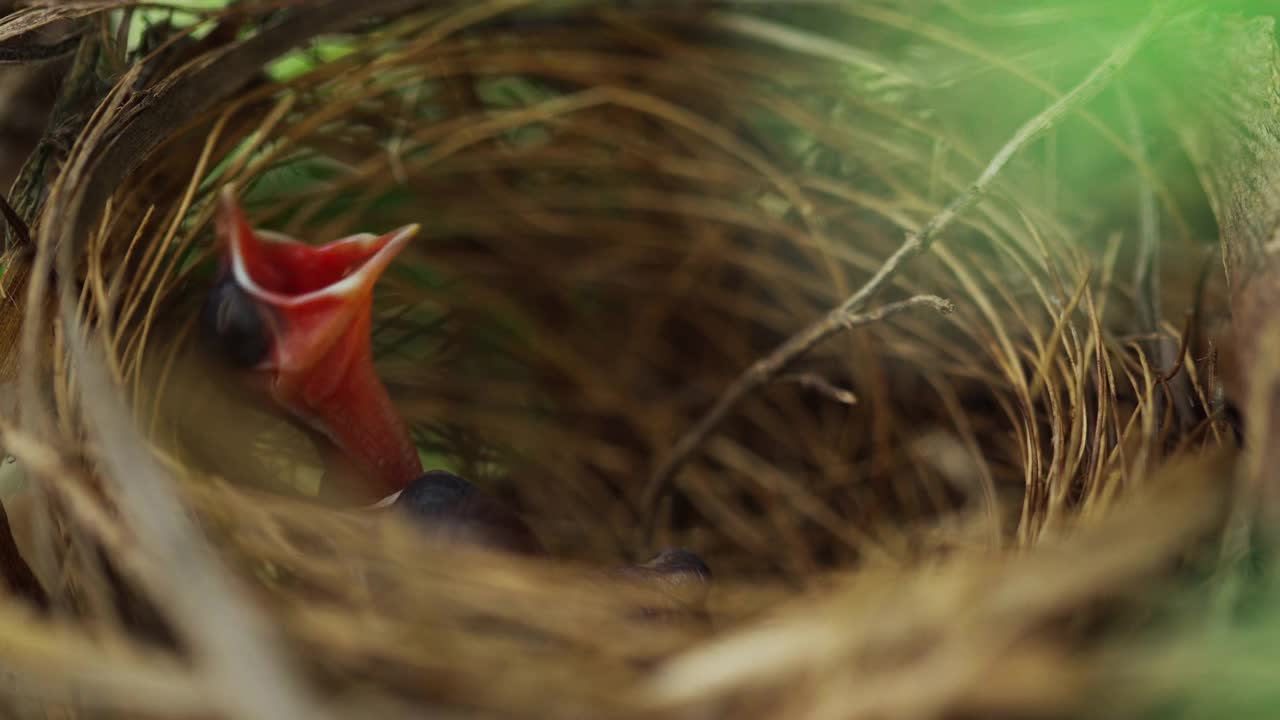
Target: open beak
312, 306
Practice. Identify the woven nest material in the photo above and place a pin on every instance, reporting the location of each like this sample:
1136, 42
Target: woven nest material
629, 210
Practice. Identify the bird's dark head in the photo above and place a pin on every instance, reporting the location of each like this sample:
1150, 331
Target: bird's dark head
673, 583
298, 317
454, 510
436, 494
236, 324
680, 562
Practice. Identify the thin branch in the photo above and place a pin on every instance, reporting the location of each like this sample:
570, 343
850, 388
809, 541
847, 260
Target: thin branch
915, 244
822, 386
763, 371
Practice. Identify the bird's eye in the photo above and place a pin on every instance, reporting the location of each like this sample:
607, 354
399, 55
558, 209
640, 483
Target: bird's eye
233, 322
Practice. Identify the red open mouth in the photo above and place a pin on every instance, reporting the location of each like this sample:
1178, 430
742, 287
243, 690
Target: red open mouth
315, 304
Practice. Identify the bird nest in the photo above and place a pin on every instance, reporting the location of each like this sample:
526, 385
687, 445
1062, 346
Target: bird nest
822, 292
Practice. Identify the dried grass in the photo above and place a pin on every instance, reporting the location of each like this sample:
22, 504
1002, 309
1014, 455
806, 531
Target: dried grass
640, 312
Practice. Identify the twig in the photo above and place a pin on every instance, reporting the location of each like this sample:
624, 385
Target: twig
822, 386
763, 371
915, 244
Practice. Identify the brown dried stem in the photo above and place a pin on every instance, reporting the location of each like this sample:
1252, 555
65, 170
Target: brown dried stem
765, 370
915, 244
35, 53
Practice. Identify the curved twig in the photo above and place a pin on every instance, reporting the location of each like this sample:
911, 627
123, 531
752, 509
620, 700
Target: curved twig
915, 244
763, 371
